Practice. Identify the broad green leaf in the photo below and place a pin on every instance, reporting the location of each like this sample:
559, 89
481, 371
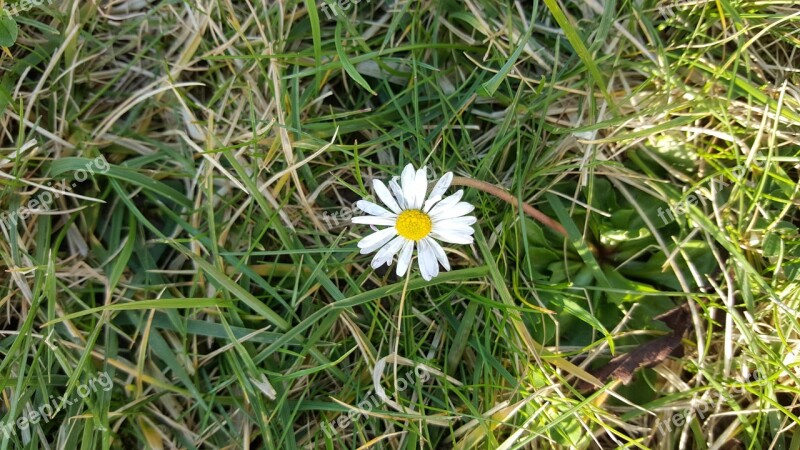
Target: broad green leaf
8, 30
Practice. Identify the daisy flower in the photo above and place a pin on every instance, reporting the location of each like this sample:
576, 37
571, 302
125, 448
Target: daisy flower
412, 220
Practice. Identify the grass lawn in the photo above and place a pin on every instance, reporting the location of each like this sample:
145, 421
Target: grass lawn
187, 203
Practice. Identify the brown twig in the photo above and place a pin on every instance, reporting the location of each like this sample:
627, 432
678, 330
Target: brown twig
507, 197
649, 354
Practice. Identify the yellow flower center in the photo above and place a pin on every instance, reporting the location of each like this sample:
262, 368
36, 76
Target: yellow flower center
413, 224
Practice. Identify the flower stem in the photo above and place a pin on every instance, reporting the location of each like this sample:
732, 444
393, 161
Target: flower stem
504, 195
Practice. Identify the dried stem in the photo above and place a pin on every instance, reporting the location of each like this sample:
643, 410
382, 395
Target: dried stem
506, 196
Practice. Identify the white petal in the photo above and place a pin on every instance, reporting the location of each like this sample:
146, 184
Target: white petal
451, 237
420, 187
439, 252
386, 197
373, 209
438, 190
464, 221
452, 228
398, 193
457, 210
426, 259
376, 240
423, 265
442, 185
386, 254
468, 231
404, 260
447, 202
372, 220
407, 179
